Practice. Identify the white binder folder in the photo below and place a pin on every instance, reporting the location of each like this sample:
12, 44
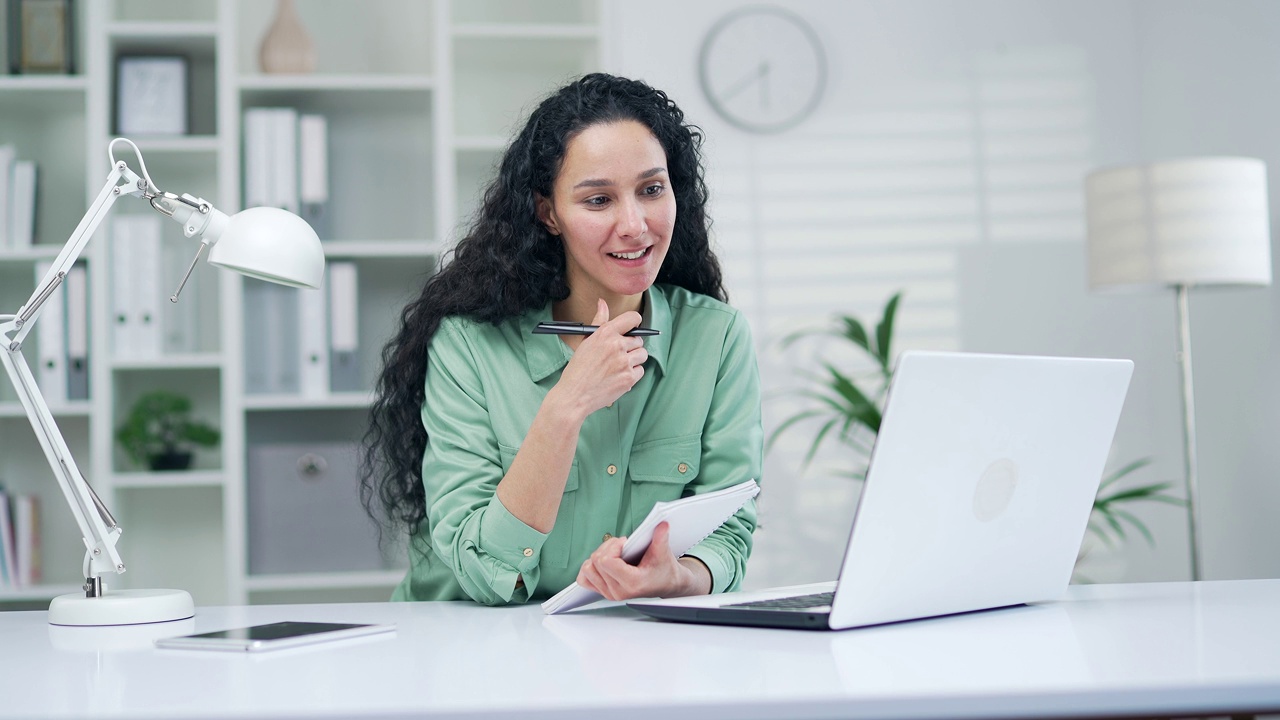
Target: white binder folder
50, 334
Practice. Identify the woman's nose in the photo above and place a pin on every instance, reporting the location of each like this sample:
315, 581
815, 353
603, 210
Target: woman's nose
631, 220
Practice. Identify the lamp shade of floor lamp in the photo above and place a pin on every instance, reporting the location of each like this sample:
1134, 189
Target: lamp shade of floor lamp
1179, 224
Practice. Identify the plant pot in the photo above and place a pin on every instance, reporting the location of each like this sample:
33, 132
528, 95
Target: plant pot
172, 460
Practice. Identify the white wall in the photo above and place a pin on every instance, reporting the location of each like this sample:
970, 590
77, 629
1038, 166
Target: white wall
947, 158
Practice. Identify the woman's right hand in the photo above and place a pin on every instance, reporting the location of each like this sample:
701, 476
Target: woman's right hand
607, 363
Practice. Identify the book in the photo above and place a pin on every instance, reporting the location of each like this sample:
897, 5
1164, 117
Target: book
691, 519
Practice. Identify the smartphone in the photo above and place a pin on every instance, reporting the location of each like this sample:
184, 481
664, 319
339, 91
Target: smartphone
273, 636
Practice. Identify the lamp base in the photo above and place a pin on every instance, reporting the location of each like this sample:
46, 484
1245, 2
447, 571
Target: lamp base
122, 607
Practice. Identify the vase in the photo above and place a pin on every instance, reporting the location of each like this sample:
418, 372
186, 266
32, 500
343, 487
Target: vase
171, 460
287, 48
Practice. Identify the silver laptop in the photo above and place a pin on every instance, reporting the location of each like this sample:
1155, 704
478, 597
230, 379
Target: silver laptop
977, 495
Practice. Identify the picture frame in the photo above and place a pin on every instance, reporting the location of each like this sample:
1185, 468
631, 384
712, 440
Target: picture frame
41, 36
152, 95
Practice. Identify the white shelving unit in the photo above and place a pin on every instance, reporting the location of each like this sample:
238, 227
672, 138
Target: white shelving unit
420, 98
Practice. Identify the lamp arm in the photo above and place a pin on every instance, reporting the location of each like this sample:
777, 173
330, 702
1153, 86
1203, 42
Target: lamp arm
97, 527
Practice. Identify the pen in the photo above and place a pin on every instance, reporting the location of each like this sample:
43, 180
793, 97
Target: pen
572, 328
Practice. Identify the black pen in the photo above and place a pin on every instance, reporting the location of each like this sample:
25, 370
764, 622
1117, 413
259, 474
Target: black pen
572, 328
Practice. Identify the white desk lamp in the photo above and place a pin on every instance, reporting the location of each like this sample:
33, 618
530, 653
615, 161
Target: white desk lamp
1180, 223
264, 243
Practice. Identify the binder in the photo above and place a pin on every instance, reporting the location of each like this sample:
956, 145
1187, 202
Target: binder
257, 158
22, 215
6, 173
313, 375
8, 561
77, 333
285, 147
344, 366
272, 357
313, 173
257, 378
50, 334
179, 322
691, 519
26, 533
135, 286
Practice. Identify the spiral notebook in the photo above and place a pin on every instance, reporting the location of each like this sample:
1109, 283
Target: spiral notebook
691, 519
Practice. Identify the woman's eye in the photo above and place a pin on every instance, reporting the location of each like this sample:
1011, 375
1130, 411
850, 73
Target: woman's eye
653, 189
597, 201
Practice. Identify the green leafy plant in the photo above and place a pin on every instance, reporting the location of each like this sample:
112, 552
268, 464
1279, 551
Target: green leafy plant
159, 430
1109, 517
847, 407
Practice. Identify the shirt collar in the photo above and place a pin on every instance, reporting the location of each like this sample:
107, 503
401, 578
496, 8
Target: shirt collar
546, 354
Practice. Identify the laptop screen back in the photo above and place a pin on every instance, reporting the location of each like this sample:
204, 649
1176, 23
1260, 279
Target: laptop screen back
980, 484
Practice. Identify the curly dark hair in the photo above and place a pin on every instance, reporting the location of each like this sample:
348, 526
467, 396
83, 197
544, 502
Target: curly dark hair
508, 264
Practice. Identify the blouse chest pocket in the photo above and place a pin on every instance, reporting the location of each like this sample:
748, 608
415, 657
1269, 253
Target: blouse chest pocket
555, 551
659, 470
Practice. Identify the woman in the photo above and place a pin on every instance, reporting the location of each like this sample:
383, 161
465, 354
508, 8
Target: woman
518, 462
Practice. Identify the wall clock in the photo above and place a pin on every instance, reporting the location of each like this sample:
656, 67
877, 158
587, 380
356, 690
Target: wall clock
762, 68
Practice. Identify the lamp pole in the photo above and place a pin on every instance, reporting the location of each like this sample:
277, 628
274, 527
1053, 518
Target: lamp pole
1188, 426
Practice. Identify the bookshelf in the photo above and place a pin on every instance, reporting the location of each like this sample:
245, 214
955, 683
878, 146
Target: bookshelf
419, 98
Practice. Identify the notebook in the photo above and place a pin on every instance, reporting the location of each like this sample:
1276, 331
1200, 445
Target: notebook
690, 520
977, 496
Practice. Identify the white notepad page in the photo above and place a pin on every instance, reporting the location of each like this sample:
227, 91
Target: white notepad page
691, 519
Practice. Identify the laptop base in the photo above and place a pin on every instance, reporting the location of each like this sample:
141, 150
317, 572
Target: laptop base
736, 617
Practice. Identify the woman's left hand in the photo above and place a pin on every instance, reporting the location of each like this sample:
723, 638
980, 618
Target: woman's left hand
659, 574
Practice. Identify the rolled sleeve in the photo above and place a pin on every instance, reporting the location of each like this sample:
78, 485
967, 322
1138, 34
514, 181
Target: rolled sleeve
508, 539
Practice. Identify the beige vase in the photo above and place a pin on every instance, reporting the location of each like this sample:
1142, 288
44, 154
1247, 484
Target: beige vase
287, 48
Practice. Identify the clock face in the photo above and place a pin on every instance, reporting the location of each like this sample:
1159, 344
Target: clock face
762, 69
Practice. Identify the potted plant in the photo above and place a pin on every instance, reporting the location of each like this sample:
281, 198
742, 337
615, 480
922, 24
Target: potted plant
159, 432
848, 408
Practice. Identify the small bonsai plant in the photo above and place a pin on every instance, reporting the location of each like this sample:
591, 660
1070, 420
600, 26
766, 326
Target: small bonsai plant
159, 433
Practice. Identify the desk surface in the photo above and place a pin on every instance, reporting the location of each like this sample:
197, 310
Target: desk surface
1152, 649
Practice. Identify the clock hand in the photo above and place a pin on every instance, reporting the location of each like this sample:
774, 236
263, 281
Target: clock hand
744, 83
764, 85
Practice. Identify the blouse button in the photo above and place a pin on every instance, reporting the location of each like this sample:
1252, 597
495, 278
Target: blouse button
607, 537
612, 469
528, 552
683, 468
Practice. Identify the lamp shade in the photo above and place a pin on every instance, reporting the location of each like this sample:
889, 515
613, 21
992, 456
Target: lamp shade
1196, 221
270, 244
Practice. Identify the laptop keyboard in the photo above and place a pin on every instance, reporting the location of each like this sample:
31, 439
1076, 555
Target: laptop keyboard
795, 602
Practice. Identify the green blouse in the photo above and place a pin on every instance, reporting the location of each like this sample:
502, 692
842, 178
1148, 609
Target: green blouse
690, 425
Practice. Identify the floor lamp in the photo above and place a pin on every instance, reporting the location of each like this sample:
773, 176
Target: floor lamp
1179, 224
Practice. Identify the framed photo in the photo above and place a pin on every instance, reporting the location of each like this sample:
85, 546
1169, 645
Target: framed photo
40, 36
152, 94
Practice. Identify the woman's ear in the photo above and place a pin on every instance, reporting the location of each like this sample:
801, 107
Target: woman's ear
546, 214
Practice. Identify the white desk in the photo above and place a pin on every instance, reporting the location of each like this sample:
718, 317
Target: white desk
1158, 649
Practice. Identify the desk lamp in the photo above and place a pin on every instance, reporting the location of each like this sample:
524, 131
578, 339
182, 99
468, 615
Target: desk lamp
1180, 223
265, 243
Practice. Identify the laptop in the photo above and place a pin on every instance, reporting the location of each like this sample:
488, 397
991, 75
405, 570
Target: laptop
977, 496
